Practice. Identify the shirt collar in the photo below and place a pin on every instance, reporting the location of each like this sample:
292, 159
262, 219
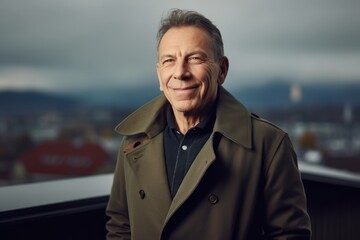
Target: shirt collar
205, 124
230, 114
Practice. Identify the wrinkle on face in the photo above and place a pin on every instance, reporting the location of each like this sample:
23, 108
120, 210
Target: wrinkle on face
187, 71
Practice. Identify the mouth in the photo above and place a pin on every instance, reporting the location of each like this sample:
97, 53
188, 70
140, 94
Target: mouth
185, 88
185, 92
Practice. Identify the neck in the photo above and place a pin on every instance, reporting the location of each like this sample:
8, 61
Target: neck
186, 121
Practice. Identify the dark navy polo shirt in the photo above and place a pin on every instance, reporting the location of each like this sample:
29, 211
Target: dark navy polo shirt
181, 150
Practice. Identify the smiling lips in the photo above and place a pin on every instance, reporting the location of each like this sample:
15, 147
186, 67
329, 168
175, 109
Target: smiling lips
184, 88
185, 92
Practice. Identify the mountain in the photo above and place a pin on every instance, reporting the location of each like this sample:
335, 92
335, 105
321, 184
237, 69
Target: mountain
129, 97
33, 101
277, 94
274, 94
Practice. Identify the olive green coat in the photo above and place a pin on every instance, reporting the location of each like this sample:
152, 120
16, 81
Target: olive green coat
244, 183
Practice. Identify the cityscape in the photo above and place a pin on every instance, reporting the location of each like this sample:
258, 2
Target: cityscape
62, 140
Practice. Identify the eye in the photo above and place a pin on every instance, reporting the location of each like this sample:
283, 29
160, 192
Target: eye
196, 59
167, 61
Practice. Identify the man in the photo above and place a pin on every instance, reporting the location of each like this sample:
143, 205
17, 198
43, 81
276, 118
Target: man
194, 164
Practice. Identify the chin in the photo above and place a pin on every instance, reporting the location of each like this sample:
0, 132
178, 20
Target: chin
184, 109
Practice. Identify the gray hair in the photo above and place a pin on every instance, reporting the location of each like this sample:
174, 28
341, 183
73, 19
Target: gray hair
178, 18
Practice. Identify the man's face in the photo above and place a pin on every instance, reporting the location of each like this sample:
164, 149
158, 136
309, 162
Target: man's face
187, 71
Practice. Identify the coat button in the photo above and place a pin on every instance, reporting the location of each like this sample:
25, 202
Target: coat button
213, 199
142, 194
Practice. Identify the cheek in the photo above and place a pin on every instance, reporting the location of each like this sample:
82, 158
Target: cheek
210, 84
162, 80
211, 80
161, 85
212, 71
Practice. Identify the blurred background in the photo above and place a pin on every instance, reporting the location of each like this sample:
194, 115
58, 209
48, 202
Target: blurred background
70, 71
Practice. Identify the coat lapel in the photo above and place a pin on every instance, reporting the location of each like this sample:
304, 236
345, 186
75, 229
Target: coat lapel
148, 161
197, 170
148, 165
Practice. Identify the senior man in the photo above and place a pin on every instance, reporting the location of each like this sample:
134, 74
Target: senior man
194, 163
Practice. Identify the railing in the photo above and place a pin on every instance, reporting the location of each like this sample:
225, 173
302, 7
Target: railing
75, 208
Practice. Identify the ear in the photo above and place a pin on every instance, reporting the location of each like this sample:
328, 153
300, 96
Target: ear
224, 68
158, 75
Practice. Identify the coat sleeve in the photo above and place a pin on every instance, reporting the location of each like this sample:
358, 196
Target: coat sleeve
286, 215
118, 225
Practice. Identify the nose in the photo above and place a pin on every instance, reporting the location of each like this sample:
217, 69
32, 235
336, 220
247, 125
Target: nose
181, 71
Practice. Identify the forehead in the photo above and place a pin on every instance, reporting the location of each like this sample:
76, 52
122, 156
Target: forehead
185, 37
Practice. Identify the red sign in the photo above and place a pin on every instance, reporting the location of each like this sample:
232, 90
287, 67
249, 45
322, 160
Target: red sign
65, 158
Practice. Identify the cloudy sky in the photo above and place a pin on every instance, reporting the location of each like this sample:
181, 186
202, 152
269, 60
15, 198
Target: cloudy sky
78, 44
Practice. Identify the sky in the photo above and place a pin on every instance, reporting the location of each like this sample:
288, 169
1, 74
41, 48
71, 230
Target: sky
64, 45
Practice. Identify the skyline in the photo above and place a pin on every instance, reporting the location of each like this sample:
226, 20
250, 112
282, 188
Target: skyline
63, 45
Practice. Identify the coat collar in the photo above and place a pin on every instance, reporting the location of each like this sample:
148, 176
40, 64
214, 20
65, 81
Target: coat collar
233, 120
149, 119
230, 115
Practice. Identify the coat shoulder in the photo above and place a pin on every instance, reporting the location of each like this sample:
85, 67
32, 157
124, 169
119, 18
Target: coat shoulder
265, 128
256, 119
